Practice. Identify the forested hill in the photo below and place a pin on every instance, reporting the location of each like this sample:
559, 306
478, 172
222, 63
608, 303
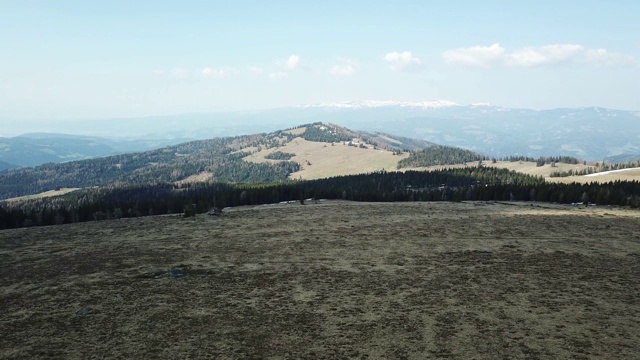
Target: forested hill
220, 156
439, 155
320, 132
218, 159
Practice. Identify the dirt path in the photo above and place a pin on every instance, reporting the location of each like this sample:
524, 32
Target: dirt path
329, 280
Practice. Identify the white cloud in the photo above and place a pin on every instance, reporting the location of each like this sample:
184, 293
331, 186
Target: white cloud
293, 62
255, 70
604, 58
278, 75
544, 55
403, 61
212, 73
475, 56
342, 70
495, 55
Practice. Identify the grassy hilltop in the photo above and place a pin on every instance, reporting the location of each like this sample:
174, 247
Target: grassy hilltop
328, 280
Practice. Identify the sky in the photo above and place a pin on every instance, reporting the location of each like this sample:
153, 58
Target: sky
101, 59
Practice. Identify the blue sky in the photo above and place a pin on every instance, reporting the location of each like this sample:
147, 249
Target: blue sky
87, 59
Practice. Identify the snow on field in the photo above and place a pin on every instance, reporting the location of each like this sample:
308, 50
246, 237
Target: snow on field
612, 171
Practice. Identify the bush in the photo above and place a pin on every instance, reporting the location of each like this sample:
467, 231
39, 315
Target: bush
189, 211
279, 155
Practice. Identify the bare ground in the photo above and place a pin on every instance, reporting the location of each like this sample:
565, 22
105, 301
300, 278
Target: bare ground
329, 280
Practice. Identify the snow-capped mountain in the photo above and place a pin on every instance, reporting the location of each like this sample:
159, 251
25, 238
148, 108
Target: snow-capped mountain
384, 103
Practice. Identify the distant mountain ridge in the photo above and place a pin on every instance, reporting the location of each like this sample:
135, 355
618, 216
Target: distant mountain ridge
6, 166
33, 149
590, 133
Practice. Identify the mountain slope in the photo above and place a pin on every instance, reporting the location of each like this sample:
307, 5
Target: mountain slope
311, 151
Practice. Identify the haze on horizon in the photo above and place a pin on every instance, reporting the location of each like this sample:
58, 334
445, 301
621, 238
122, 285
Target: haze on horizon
88, 60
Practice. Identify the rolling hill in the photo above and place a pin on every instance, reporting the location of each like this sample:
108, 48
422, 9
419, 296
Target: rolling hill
319, 150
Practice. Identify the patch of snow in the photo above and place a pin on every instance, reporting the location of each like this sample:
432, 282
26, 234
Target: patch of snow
612, 172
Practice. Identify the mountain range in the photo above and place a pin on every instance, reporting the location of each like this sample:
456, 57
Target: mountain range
588, 133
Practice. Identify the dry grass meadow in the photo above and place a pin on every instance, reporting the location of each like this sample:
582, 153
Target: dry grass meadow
321, 160
330, 280
45, 194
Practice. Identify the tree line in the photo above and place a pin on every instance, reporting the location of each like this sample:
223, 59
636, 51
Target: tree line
542, 160
467, 184
279, 155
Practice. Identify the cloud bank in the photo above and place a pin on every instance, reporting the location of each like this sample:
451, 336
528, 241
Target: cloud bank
495, 56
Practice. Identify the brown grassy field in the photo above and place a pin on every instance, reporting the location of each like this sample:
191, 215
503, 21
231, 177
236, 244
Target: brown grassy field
326, 160
330, 280
45, 194
545, 171
604, 177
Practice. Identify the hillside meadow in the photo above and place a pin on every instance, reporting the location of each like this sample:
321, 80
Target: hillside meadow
329, 279
321, 160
